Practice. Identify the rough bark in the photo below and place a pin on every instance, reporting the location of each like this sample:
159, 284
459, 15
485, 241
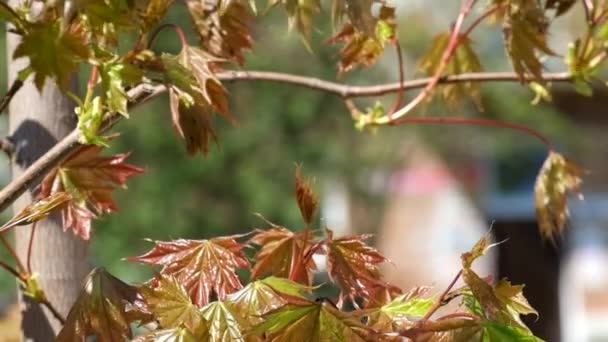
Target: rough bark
37, 121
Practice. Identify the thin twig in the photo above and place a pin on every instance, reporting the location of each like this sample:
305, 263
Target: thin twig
53, 310
12, 271
399, 99
13, 254
17, 84
7, 146
476, 122
28, 260
440, 300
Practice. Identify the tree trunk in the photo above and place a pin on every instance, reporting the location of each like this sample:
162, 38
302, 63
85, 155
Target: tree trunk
36, 122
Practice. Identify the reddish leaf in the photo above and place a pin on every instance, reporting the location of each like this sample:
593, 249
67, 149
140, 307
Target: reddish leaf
101, 310
282, 255
353, 265
89, 179
307, 200
223, 27
203, 267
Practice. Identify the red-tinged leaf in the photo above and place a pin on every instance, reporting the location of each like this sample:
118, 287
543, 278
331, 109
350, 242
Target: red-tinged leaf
359, 13
306, 198
38, 210
353, 265
223, 27
203, 267
89, 179
282, 253
101, 310
557, 179
192, 122
312, 322
171, 305
179, 334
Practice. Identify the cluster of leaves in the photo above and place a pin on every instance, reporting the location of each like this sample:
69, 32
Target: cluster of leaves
198, 294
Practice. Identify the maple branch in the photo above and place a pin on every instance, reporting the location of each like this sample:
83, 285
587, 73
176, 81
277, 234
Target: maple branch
11, 270
440, 300
346, 91
13, 254
144, 92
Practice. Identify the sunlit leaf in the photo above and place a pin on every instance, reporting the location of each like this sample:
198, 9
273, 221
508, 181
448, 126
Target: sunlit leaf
557, 179
195, 93
90, 180
281, 254
170, 304
101, 310
512, 296
525, 33
52, 52
353, 265
179, 334
224, 324
401, 313
202, 267
312, 322
306, 198
38, 210
464, 60
479, 249
223, 27
90, 117
114, 76
361, 48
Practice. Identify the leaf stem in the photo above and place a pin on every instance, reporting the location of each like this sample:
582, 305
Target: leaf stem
176, 28
53, 310
13, 254
477, 122
459, 315
6, 99
480, 19
12, 271
29, 248
439, 303
399, 99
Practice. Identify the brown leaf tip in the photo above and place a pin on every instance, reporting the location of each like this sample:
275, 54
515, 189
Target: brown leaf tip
306, 198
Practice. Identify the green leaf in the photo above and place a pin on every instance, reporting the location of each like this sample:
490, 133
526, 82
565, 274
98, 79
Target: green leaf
170, 304
90, 118
225, 325
312, 322
582, 87
114, 76
494, 332
53, 52
464, 60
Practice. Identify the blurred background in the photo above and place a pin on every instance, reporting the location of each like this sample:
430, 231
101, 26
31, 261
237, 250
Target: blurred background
426, 192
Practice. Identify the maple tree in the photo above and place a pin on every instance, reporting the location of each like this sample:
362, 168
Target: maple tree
201, 291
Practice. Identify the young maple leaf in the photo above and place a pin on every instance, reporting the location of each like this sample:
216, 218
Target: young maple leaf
226, 325
195, 93
464, 60
353, 265
359, 13
179, 334
263, 296
400, 313
38, 210
362, 47
223, 27
171, 305
53, 52
307, 200
282, 254
89, 179
300, 14
101, 310
203, 267
312, 322
557, 178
